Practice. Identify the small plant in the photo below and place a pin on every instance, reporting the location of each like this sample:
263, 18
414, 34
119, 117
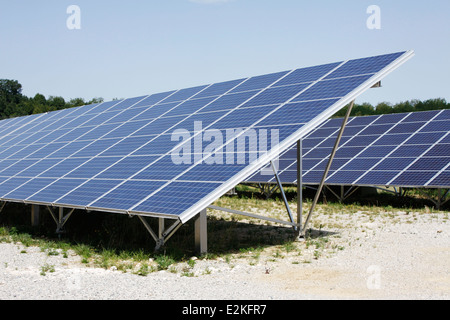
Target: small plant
164, 262
47, 268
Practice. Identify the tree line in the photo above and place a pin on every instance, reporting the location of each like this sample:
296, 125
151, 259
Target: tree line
14, 104
366, 109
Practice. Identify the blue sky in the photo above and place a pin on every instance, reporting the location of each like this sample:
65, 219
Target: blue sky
132, 48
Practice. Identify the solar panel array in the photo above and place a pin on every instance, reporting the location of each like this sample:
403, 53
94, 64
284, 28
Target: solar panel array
406, 150
117, 156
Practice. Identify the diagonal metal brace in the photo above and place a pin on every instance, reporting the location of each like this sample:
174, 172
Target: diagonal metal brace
327, 169
280, 186
61, 219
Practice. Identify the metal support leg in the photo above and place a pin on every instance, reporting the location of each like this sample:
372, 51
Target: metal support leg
330, 161
61, 219
286, 204
299, 188
35, 215
201, 233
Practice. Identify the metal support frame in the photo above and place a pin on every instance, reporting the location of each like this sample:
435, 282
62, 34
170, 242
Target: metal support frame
201, 233
343, 195
283, 195
327, 169
163, 235
35, 215
3, 206
441, 198
299, 188
61, 219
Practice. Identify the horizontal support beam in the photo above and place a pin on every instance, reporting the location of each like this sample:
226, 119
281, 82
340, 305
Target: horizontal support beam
251, 215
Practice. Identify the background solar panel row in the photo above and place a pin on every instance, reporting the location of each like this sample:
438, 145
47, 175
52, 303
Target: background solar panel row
408, 150
116, 156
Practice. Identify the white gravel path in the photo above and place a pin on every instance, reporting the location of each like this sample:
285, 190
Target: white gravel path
406, 260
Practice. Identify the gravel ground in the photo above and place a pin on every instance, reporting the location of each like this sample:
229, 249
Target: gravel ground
375, 259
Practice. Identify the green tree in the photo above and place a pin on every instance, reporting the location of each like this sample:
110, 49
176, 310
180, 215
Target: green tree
10, 96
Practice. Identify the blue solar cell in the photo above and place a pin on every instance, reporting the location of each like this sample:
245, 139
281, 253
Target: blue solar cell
159, 126
126, 115
422, 116
243, 118
435, 164
360, 141
68, 149
360, 164
376, 151
93, 133
124, 130
407, 127
259, 82
395, 164
344, 177
128, 194
215, 173
392, 139
376, 129
317, 153
92, 167
17, 167
439, 150
157, 145
95, 148
190, 106
184, 94
337, 88
411, 178
127, 103
307, 74
187, 193
364, 65
126, 146
46, 150
56, 190
297, 112
219, 88
156, 111
28, 189
348, 152
442, 180
62, 167
127, 167
376, 178
153, 99
424, 138
21, 153
229, 101
38, 167
409, 151
443, 115
88, 192
163, 169
276, 95
391, 118
437, 126
8, 184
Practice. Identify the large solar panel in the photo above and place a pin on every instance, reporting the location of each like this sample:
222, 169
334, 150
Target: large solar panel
403, 150
122, 156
